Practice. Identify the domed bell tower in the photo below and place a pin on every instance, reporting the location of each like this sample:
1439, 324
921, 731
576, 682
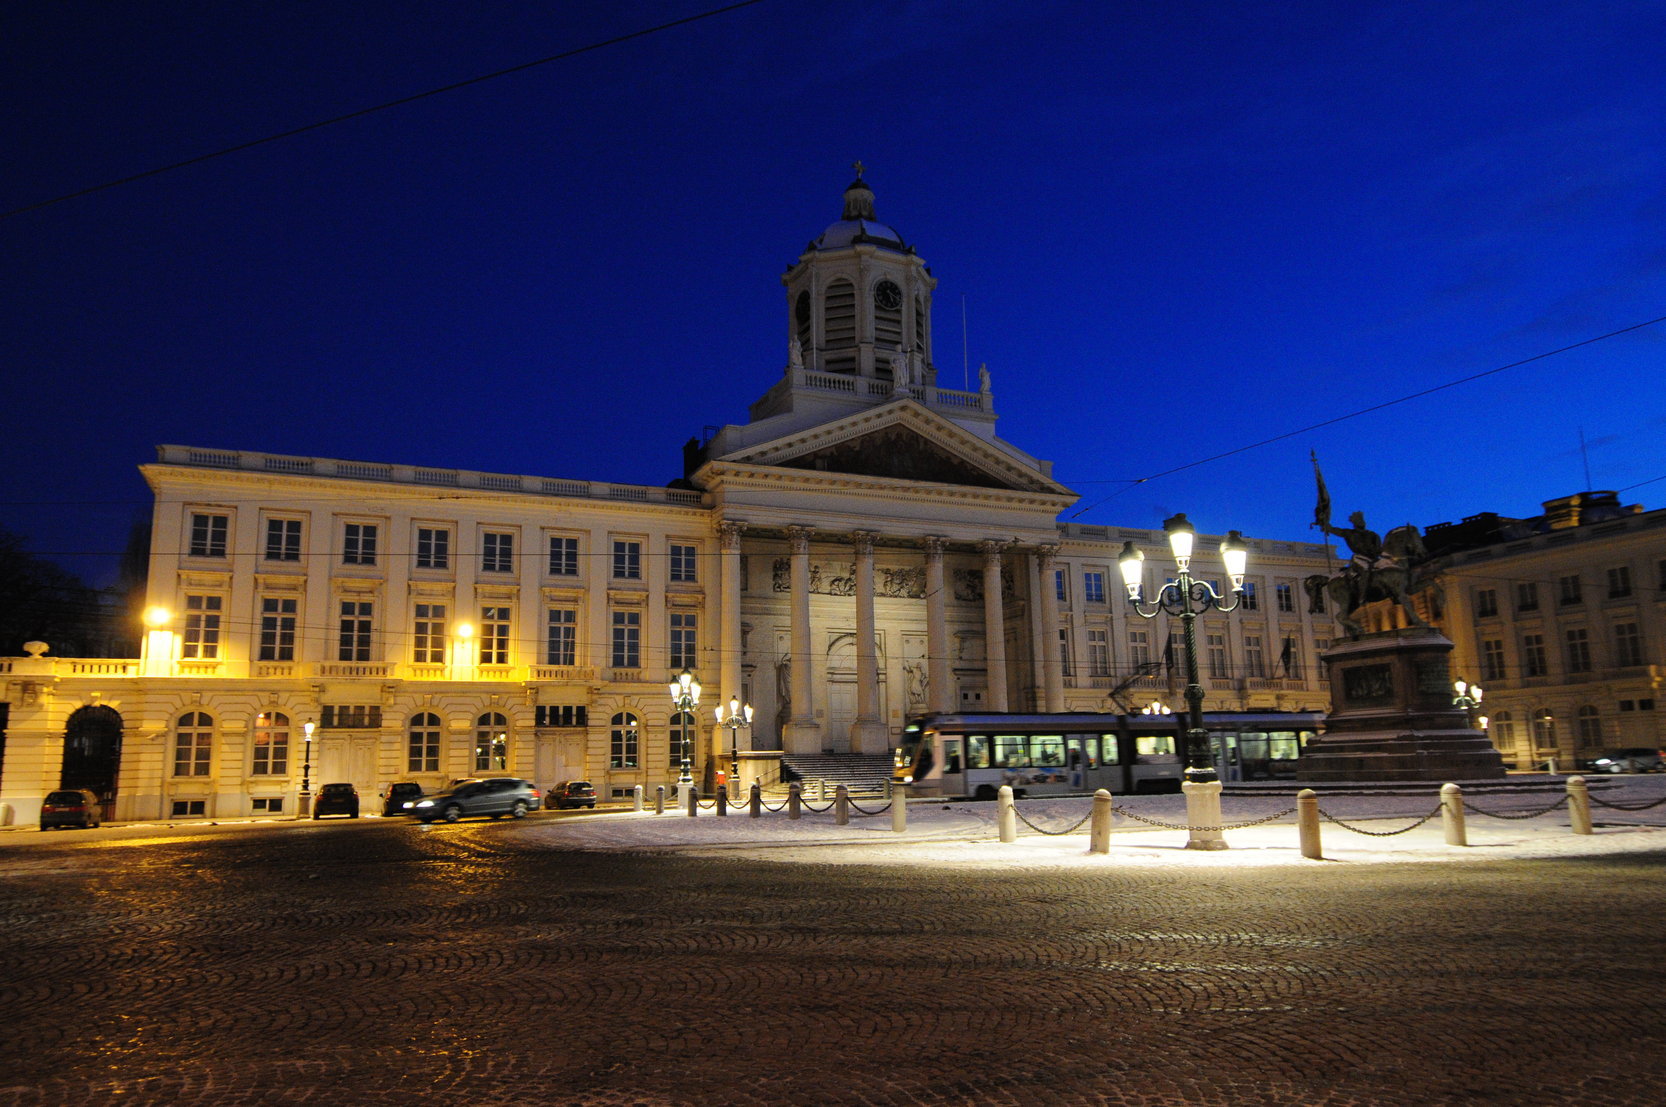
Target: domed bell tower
859, 300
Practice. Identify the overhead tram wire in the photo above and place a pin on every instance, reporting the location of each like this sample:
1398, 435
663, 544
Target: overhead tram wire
1132, 481
361, 112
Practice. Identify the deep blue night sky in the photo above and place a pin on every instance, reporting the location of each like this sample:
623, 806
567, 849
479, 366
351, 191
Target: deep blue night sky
1178, 229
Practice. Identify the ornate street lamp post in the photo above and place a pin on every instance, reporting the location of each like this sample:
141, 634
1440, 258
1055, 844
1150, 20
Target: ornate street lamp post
1468, 697
1188, 598
306, 769
739, 716
685, 694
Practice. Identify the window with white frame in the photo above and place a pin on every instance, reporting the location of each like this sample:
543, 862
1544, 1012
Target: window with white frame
422, 751
1064, 652
561, 639
193, 743
354, 631
494, 635
1250, 599
433, 548
208, 534
1492, 659
1502, 729
1290, 657
1139, 649
1527, 596
1099, 653
1534, 661
202, 627
1569, 590
1486, 602
1285, 594
563, 556
1619, 582
277, 628
684, 639
1255, 664
271, 744
627, 640
497, 552
1059, 589
1216, 645
491, 743
358, 544
624, 741
1578, 643
683, 568
1628, 644
1093, 587
1589, 726
428, 632
627, 559
283, 540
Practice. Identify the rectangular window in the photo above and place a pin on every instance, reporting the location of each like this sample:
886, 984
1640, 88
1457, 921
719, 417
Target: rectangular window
561, 641
563, 556
1250, 600
422, 751
627, 560
560, 715
682, 563
627, 639
350, 716
1093, 587
1064, 653
1290, 657
283, 540
1099, 653
1628, 645
267, 805
683, 640
187, 807
494, 636
358, 544
277, 629
1058, 586
1139, 649
1286, 596
428, 634
1619, 582
497, 552
202, 627
1492, 659
208, 534
1527, 597
1534, 662
1486, 602
1255, 663
1568, 589
1579, 651
433, 548
1217, 655
355, 631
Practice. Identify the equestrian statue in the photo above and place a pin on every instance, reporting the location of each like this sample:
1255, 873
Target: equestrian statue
1384, 571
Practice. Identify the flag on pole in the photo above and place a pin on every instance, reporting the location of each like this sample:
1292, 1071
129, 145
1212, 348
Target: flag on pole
1321, 508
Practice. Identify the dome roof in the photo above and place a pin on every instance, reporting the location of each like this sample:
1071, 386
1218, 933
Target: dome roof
859, 225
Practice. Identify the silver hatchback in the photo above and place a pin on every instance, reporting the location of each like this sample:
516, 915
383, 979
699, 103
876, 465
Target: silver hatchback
494, 796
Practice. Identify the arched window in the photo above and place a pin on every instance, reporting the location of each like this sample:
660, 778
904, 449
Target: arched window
271, 744
678, 721
491, 743
1590, 726
193, 741
624, 741
423, 752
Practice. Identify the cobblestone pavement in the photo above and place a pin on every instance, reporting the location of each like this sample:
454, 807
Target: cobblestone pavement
379, 962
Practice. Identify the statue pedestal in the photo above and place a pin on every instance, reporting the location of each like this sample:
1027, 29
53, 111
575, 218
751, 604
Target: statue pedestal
1392, 716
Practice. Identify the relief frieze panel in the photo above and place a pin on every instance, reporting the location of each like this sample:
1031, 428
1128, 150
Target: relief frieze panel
828, 579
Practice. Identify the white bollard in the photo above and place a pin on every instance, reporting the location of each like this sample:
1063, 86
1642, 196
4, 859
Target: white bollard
1099, 830
1006, 815
637, 793
1307, 822
899, 808
841, 806
1452, 814
1203, 815
1579, 805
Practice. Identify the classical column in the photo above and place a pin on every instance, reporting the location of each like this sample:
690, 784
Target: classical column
728, 629
994, 627
939, 696
1052, 673
868, 734
803, 732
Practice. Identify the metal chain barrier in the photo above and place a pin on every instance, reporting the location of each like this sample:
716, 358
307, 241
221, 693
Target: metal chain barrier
1628, 806
813, 809
1378, 833
1075, 826
706, 805
765, 804
1470, 808
854, 806
1182, 826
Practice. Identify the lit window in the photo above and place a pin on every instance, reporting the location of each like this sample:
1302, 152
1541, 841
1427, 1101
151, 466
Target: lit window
491, 743
202, 627
271, 744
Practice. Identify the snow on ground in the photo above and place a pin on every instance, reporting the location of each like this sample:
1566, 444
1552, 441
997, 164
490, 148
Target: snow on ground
965, 833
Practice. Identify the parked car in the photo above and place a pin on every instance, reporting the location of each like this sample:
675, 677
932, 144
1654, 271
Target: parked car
1639, 759
401, 798
573, 793
336, 799
494, 796
70, 807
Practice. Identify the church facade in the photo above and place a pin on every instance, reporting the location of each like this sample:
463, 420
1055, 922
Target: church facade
865, 547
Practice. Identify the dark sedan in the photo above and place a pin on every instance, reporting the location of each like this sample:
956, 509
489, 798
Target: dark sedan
69, 807
493, 796
336, 799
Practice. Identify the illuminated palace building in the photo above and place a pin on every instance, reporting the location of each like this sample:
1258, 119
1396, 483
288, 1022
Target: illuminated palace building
863, 547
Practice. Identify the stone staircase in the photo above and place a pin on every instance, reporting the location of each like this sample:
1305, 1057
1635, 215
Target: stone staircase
864, 775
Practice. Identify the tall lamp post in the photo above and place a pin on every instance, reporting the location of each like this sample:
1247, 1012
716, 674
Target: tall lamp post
739, 716
1468, 697
685, 694
306, 768
1188, 597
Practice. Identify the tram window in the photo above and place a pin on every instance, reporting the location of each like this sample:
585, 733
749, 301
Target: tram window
1283, 746
1011, 751
1148, 746
1113, 753
1047, 749
977, 751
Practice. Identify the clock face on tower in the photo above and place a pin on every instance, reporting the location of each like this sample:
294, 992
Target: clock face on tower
887, 296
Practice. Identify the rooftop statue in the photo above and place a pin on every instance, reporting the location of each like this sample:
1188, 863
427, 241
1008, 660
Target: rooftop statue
1381, 568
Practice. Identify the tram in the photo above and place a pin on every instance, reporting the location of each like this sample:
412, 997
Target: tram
972, 755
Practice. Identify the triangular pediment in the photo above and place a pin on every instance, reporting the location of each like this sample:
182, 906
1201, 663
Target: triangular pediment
905, 442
